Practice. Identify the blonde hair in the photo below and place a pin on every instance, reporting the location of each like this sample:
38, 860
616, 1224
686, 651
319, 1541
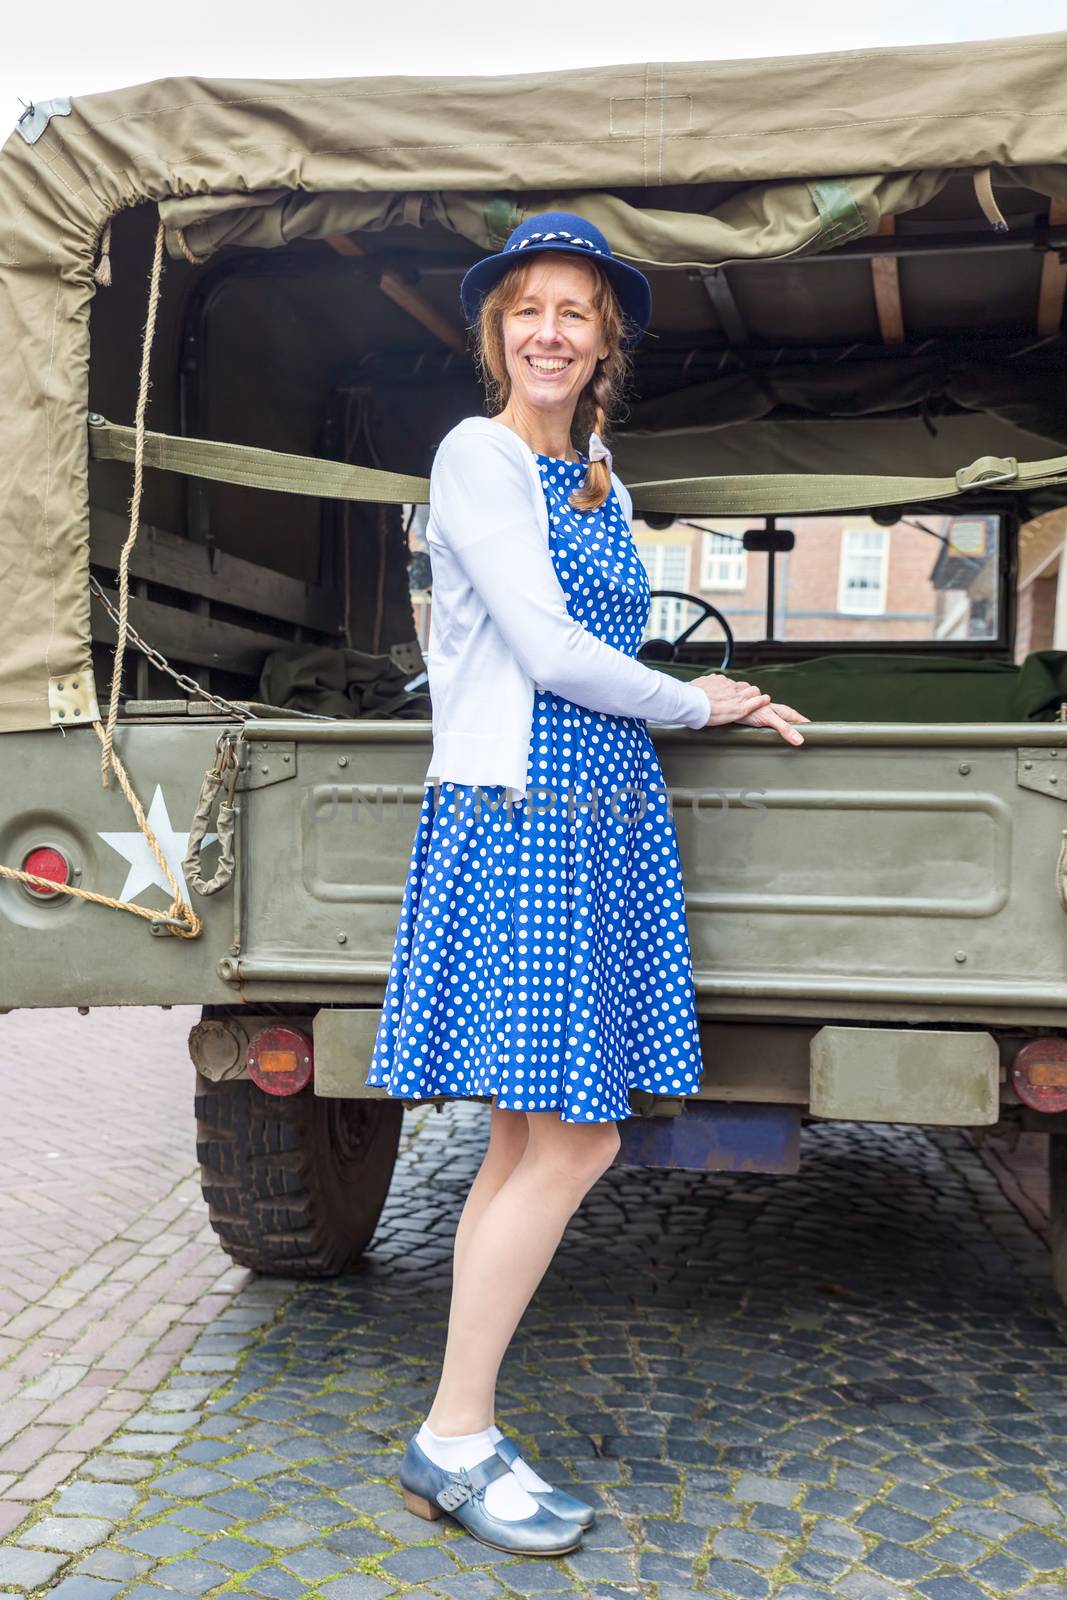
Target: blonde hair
601, 396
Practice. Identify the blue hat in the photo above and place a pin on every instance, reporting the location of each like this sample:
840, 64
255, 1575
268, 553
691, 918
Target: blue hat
563, 231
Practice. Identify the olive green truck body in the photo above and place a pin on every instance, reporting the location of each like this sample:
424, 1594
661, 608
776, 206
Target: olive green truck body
901, 875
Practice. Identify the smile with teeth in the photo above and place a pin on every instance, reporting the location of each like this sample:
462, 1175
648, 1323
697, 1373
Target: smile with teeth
549, 364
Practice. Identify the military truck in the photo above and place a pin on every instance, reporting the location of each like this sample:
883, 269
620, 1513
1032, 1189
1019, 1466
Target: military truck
232, 339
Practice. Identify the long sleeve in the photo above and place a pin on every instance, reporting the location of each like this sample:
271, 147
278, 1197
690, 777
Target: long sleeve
480, 507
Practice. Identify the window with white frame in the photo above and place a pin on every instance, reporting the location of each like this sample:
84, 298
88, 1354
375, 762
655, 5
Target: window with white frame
723, 561
667, 566
862, 570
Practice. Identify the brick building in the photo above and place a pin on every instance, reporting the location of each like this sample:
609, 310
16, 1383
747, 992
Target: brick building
1041, 546
847, 578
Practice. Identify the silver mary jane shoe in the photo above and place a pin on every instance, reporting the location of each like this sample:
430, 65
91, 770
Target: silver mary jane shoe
558, 1501
430, 1491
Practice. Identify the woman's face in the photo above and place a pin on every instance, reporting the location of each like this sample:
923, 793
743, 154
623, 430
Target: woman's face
552, 335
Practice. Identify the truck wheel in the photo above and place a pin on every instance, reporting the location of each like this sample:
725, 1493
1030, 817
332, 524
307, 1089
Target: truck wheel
1057, 1182
294, 1186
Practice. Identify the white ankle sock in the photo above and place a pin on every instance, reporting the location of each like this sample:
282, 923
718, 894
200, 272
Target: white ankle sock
505, 1497
525, 1473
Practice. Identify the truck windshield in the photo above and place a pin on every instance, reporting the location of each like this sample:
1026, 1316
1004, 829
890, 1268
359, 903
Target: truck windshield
847, 578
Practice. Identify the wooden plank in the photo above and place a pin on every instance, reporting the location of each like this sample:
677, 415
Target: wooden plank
182, 637
167, 558
405, 295
1053, 278
885, 279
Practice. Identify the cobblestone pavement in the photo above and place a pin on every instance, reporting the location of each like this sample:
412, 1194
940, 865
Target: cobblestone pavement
851, 1382
108, 1267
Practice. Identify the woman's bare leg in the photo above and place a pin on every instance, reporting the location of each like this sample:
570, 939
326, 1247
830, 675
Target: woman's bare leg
506, 1249
508, 1135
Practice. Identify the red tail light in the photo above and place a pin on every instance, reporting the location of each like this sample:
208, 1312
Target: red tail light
46, 862
280, 1060
1039, 1074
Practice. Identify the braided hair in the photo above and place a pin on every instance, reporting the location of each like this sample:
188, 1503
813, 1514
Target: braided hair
598, 401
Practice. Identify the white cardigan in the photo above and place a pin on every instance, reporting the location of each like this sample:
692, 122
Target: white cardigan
499, 624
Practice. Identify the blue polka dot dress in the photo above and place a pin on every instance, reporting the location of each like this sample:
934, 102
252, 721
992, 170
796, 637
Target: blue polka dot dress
542, 955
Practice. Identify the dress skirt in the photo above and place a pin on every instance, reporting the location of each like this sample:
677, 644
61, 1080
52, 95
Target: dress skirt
542, 955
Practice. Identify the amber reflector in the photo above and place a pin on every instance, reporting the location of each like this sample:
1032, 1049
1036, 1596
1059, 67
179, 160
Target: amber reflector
1039, 1074
280, 1060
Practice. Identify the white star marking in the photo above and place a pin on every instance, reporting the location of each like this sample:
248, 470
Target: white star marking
144, 868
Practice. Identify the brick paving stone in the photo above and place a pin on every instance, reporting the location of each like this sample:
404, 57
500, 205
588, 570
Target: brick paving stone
530, 1577
864, 1585
956, 1548
194, 1574
161, 1541
479, 1586
199, 1520
84, 1587
1001, 1574
66, 1533
590, 1564
355, 1586
115, 1469
733, 1579
835, 1538
108, 1563
243, 1503
777, 1519
421, 1564
656, 1567
819, 1566
314, 1564
49, 1472
833, 1501
28, 1569
756, 1549
954, 1588
283, 1533
985, 1521
275, 1584
1041, 1551
359, 1542
898, 1562
191, 1482
239, 1555
777, 1491
11, 1514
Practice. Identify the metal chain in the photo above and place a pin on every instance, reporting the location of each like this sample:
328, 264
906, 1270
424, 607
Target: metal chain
190, 685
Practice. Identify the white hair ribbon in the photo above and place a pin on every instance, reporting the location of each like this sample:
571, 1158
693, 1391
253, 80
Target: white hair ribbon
598, 450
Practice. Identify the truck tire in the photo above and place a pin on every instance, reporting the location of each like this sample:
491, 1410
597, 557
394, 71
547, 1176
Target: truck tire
294, 1186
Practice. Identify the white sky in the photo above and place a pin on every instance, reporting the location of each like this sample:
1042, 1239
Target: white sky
80, 49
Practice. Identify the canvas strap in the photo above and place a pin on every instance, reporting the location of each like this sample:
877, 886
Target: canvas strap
750, 494
258, 469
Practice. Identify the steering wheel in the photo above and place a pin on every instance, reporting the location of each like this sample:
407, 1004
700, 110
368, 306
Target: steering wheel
665, 650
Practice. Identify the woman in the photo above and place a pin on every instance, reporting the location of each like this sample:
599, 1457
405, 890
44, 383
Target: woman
541, 956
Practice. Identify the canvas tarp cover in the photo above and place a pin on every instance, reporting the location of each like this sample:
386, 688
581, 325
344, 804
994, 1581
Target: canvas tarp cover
822, 144
913, 687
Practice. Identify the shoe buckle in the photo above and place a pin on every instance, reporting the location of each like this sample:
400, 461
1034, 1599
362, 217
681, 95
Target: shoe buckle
456, 1494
